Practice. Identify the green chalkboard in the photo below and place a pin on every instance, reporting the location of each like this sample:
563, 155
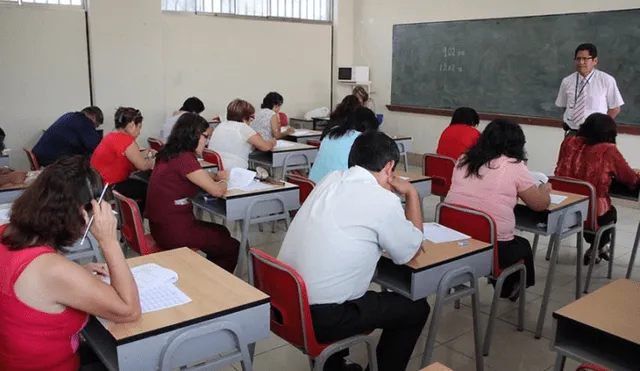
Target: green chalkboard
512, 66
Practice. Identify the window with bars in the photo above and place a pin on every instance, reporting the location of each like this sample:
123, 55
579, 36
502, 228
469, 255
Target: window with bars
316, 10
50, 2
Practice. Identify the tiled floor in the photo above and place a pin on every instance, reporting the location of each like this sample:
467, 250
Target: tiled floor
511, 350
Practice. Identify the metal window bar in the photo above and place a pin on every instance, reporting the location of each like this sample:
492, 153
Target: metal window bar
46, 2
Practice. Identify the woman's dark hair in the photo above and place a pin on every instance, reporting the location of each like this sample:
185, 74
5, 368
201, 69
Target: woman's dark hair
598, 128
359, 91
465, 115
362, 120
501, 137
239, 110
49, 211
271, 100
193, 105
184, 136
2, 136
125, 115
345, 108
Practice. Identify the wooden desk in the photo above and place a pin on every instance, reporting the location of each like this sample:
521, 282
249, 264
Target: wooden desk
436, 367
303, 135
10, 192
601, 328
420, 277
421, 182
296, 156
217, 297
559, 221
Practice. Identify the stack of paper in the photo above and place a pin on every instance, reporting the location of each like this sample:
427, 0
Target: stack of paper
240, 178
438, 233
557, 199
284, 144
300, 132
156, 287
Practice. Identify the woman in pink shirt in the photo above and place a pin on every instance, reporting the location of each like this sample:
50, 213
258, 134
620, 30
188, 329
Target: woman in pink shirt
490, 177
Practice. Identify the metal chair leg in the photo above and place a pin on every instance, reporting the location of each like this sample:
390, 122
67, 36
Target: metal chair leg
548, 256
612, 247
592, 262
580, 248
534, 248
634, 251
493, 313
523, 298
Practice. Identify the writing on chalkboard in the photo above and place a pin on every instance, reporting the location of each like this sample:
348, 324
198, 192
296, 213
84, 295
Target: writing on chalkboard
450, 51
444, 67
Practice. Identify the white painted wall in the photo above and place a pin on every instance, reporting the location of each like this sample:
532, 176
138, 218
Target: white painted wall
151, 60
43, 72
373, 22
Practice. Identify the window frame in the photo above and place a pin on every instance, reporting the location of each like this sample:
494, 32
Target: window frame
21, 3
330, 5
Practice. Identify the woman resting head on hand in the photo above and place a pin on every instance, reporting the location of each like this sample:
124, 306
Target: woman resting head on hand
47, 298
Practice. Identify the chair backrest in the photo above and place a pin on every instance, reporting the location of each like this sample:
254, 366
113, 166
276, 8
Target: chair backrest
314, 142
440, 169
290, 312
591, 367
132, 229
284, 119
579, 187
474, 223
213, 157
306, 185
32, 159
155, 143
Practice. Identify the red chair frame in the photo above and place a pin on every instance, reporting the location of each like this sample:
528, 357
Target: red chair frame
214, 158
289, 298
580, 187
306, 185
481, 226
155, 143
33, 161
132, 229
440, 169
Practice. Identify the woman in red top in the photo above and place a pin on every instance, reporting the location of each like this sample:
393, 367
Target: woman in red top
118, 155
461, 134
593, 156
176, 178
46, 298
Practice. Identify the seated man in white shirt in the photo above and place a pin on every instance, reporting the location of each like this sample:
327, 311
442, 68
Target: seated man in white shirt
336, 240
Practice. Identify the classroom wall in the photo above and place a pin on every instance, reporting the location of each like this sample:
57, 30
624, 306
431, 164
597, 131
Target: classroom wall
43, 72
373, 22
151, 60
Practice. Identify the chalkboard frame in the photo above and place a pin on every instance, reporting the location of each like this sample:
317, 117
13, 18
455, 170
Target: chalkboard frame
622, 128
527, 120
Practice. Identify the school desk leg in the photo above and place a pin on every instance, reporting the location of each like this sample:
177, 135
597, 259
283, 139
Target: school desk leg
632, 260
559, 366
580, 248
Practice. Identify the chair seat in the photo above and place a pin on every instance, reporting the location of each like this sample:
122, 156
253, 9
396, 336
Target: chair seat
152, 246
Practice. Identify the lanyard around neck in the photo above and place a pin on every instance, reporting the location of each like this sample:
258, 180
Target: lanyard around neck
578, 93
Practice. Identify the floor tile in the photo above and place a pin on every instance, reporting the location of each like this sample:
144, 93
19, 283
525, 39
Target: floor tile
510, 349
450, 358
531, 313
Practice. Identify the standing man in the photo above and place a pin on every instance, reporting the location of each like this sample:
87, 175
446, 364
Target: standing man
74, 133
587, 91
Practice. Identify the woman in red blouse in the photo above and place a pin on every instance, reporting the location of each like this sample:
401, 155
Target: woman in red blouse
118, 155
593, 156
461, 134
176, 178
46, 298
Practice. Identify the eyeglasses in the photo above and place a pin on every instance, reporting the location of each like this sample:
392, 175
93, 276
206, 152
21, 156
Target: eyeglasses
583, 59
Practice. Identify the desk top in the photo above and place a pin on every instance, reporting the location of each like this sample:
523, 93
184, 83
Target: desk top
214, 292
571, 200
613, 309
13, 187
305, 133
413, 177
434, 254
436, 367
206, 164
236, 193
295, 147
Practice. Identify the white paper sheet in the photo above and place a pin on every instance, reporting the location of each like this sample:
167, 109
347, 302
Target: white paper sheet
438, 233
557, 199
4, 213
257, 186
162, 297
156, 288
539, 178
404, 177
301, 132
240, 178
284, 144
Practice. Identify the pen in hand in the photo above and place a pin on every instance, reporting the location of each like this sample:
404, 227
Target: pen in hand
104, 190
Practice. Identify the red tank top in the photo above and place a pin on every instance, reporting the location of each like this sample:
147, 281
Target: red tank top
32, 340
